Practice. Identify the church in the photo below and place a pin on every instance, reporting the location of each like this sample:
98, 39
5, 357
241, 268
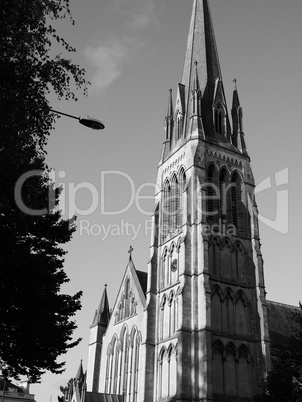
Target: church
196, 326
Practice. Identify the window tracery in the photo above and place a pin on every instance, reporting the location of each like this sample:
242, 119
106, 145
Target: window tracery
231, 370
122, 367
127, 305
229, 311
219, 118
167, 371
173, 204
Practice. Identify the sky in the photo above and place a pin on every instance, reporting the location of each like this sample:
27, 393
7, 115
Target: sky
133, 53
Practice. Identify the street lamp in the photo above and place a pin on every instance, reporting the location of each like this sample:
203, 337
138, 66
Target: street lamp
90, 122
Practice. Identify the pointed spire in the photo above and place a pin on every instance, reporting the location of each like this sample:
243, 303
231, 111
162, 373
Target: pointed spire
169, 124
102, 314
201, 48
169, 114
238, 134
80, 373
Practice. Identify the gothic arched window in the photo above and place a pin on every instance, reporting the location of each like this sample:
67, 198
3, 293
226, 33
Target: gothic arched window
166, 210
218, 369
244, 387
216, 310
239, 263
172, 364
212, 195
214, 257
219, 116
163, 374
228, 312
241, 315
222, 194
174, 207
182, 184
235, 198
230, 372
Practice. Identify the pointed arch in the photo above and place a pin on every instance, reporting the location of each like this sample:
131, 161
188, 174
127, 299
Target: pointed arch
136, 356
241, 319
216, 308
217, 368
163, 373
235, 198
228, 311
230, 371
172, 370
164, 268
174, 208
162, 316
244, 382
239, 262
111, 364
182, 185
214, 256
212, 194
226, 258
223, 180
123, 363
220, 118
166, 208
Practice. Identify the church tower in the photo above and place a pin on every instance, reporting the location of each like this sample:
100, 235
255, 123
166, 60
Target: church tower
206, 308
195, 328
97, 330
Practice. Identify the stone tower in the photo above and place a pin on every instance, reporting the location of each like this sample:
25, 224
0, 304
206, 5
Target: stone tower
195, 328
206, 307
97, 330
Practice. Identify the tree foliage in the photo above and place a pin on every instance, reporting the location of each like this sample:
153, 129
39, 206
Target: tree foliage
284, 382
35, 317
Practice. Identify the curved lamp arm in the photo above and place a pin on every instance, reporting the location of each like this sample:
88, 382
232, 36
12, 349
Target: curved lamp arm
90, 122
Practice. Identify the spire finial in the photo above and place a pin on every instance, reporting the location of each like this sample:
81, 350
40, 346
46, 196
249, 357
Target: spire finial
235, 83
130, 252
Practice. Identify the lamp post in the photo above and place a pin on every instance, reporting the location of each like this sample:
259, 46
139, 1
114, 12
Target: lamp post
90, 122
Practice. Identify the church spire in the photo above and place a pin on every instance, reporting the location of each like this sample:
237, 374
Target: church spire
238, 134
80, 373
169, 124
201, 48
102, 314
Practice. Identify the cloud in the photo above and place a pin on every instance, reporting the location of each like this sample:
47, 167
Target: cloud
125, 22
140, 12
107, 61
143, 17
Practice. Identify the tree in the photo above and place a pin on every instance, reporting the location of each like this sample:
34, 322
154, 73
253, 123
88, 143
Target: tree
284, 382
35, 317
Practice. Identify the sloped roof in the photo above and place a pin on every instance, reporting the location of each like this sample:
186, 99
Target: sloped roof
9, 385
142, 277
280, 322
102, 314
97, 397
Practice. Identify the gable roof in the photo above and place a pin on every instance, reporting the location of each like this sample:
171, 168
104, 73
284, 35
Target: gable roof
140, 282
280, 322
142, 277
